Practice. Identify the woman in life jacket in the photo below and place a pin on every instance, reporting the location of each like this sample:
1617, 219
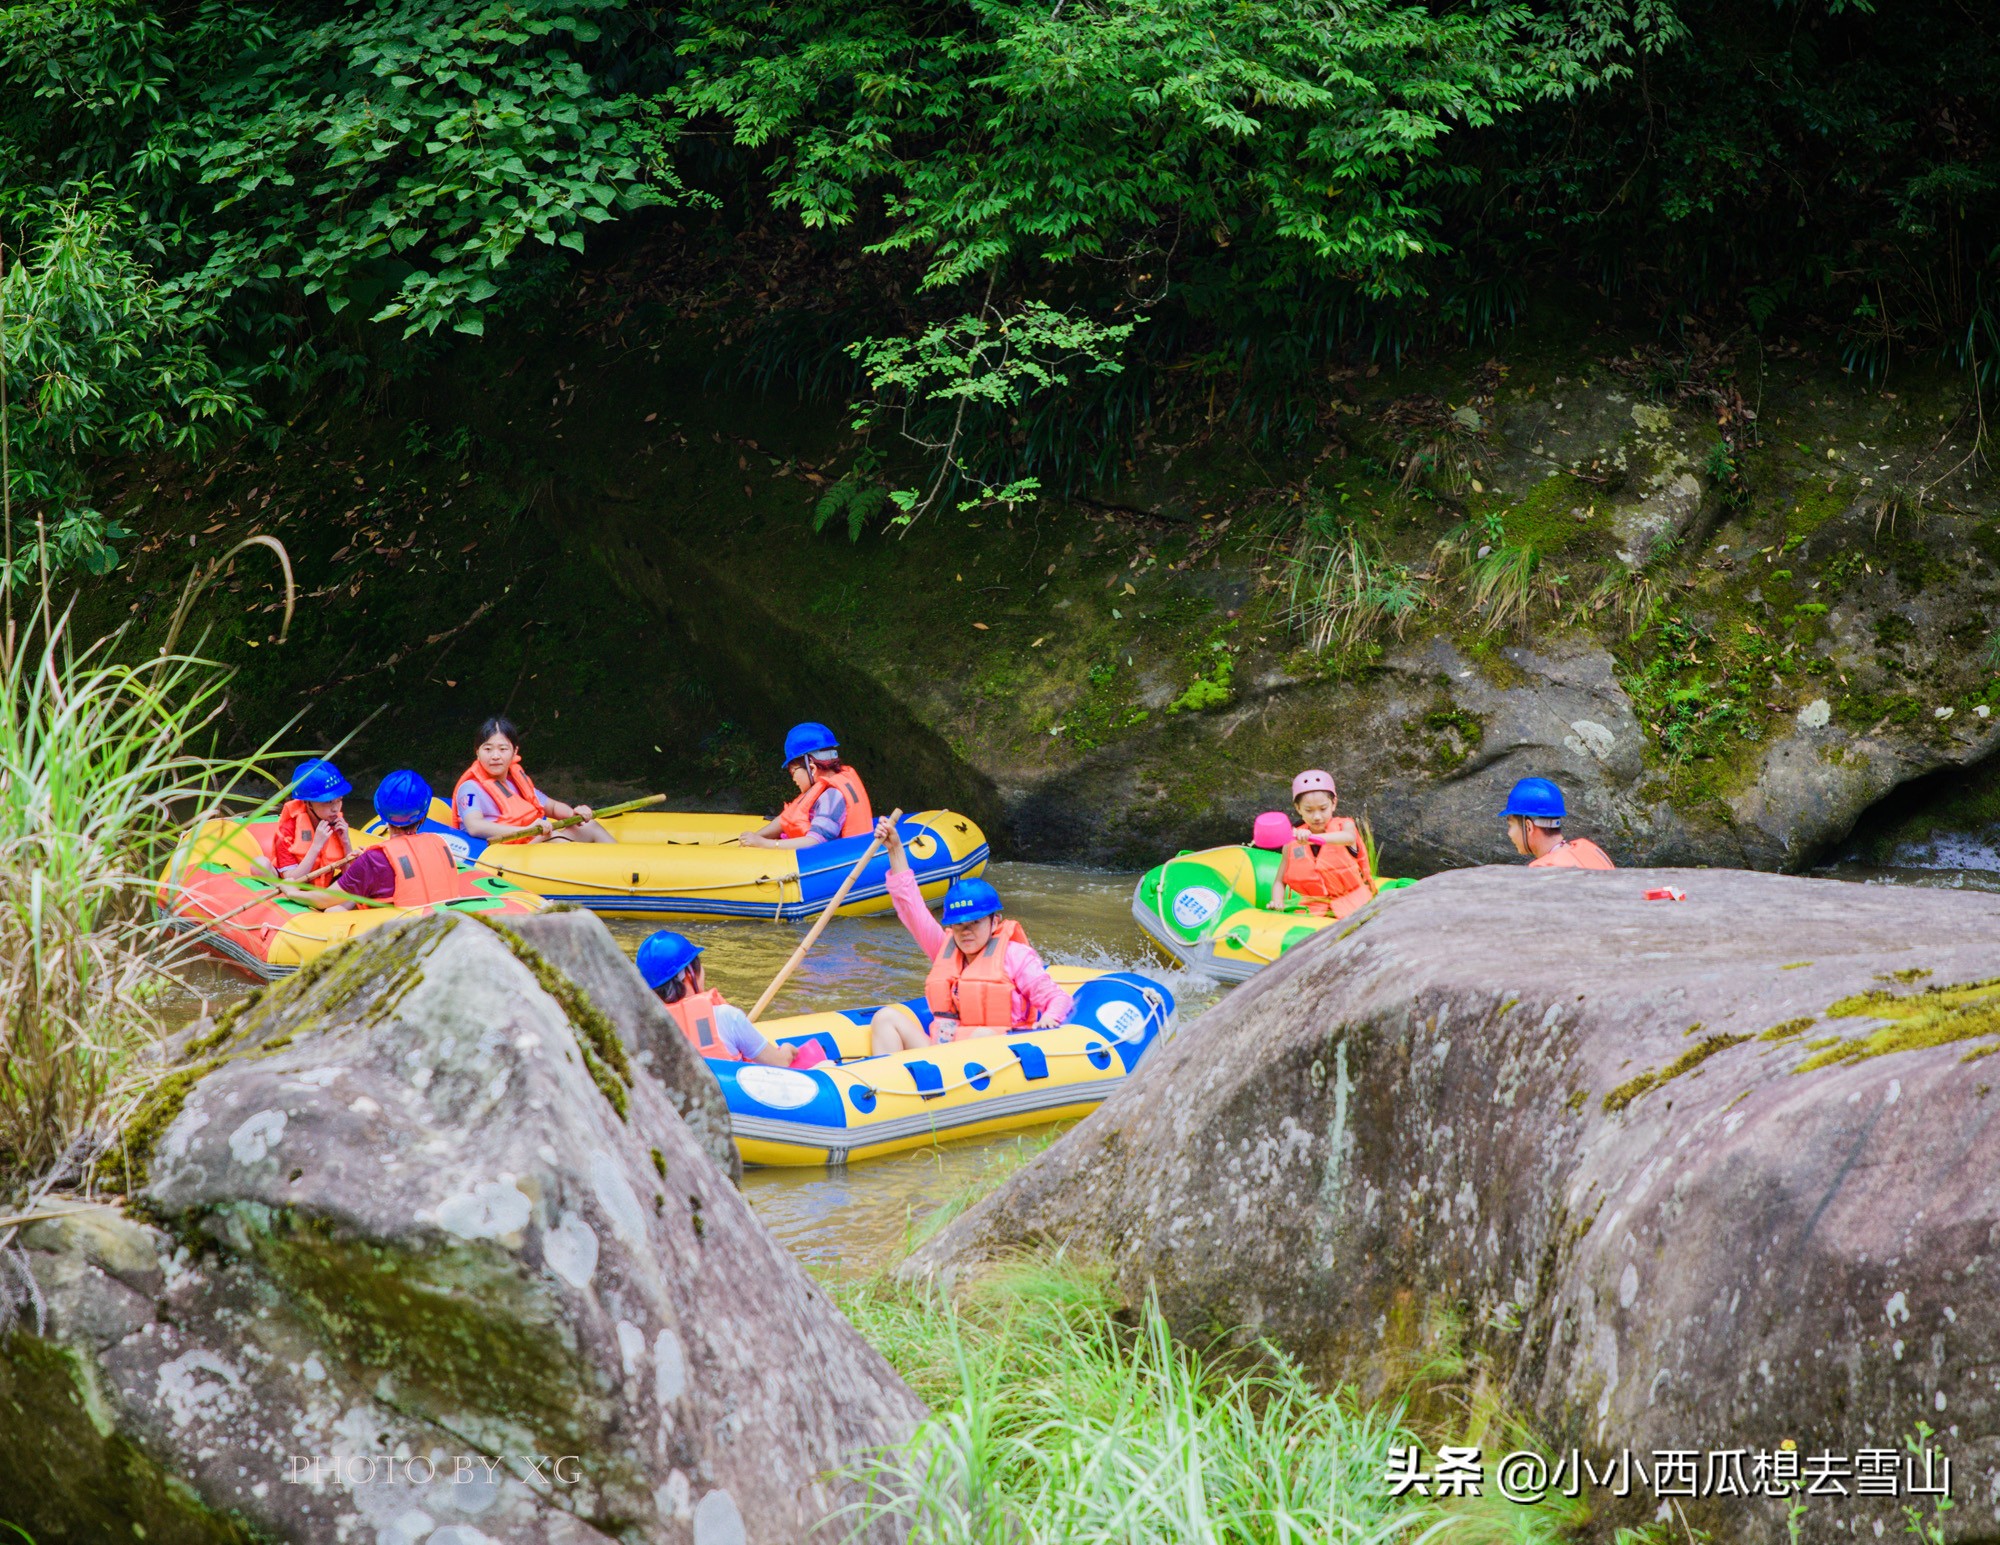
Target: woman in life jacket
410, 867
831, 801
312, 829
496, 798
671, 966
985, 977
1326, 862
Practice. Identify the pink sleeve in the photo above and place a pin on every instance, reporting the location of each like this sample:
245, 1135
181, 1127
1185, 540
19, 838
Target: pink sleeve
909, 903
1032, 981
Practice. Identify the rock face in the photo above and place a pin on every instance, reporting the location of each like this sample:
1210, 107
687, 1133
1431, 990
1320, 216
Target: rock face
417, 1254
1702, 1176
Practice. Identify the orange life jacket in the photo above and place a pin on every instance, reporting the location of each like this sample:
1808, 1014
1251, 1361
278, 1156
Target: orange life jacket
695, 1013
1574, 853
978, 993
1330, 876
795, 820
296, 826
424, 870
516, 809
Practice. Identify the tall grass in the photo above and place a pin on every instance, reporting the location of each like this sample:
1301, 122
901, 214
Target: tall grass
1055, 1421
104, 761
1340, 593
97, 772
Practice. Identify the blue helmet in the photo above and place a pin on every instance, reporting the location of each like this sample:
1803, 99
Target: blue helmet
1537, 799
805, 739
403, 799
968, 901
316, 781
664, 956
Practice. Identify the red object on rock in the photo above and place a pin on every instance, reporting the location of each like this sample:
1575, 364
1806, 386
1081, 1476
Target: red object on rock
1666, 893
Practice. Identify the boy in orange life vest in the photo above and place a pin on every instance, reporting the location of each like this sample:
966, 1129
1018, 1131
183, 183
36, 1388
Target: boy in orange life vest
411, 868
831, 803
671, 966
1534, 813
312, 830
496, 798
985, 977
1326, 864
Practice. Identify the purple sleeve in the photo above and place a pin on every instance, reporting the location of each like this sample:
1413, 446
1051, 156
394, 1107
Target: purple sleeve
829, 815
370, 875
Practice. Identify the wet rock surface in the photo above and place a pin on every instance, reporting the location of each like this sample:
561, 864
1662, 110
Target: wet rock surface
418, 1251
1706, 1175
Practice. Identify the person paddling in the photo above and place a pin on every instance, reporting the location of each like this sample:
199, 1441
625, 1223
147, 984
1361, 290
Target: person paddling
496, 798
831, 802
312, 829
1534, 813
410, 867
1326, 863
985, 978
671, 965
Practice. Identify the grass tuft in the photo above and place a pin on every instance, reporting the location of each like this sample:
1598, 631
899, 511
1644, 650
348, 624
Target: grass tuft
1058, 1419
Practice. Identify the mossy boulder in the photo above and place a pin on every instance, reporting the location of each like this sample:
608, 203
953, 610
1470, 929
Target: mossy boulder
424, 1252
1701, 1175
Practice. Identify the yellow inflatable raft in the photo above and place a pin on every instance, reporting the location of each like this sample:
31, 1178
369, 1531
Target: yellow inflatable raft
1205, 911
212, 894
854, 1106
693, 866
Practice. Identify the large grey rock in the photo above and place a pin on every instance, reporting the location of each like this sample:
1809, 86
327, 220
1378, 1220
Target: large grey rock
1530, 1116
416, 1255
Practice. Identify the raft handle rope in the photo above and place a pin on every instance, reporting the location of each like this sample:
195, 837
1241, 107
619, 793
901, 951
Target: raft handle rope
966, 1083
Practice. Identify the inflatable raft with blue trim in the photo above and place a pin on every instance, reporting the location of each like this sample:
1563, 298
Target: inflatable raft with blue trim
855, 1106
691, 865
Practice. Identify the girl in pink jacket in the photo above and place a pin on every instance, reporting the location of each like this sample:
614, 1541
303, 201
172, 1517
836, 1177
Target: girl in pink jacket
985, 977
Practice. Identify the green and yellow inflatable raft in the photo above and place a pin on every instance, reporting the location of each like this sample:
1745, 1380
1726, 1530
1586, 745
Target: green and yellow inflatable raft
1205, 911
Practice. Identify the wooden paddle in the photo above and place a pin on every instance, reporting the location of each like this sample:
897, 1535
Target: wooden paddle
832, 906
577, 820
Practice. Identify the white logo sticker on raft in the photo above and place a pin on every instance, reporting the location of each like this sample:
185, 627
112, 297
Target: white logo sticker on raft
461, 850
779, 1088
1124, 1020
1196, 905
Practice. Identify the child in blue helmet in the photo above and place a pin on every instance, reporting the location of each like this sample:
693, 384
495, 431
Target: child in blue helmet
831, 801
985, 977
312, 829
411, 867
671, 965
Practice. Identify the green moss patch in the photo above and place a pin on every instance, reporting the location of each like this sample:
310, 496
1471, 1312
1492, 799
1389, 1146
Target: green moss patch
1938, 1016
596, 1036
67, 1477
1558, 513
1791, 1029
1686, 1062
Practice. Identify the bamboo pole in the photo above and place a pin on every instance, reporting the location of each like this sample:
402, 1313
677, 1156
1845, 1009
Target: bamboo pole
832, 906
577, 820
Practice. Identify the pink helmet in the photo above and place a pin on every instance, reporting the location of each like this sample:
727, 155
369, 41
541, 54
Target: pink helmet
1313, 778
1273, 829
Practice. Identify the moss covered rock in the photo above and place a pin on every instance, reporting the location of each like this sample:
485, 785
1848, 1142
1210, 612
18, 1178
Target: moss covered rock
1700, 1176
425, 1252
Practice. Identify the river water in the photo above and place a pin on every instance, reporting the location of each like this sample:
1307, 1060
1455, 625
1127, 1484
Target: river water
860, 1218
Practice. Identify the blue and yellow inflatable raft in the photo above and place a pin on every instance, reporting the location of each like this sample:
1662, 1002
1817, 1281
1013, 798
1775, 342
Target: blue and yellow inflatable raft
855, 1106
692, 865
